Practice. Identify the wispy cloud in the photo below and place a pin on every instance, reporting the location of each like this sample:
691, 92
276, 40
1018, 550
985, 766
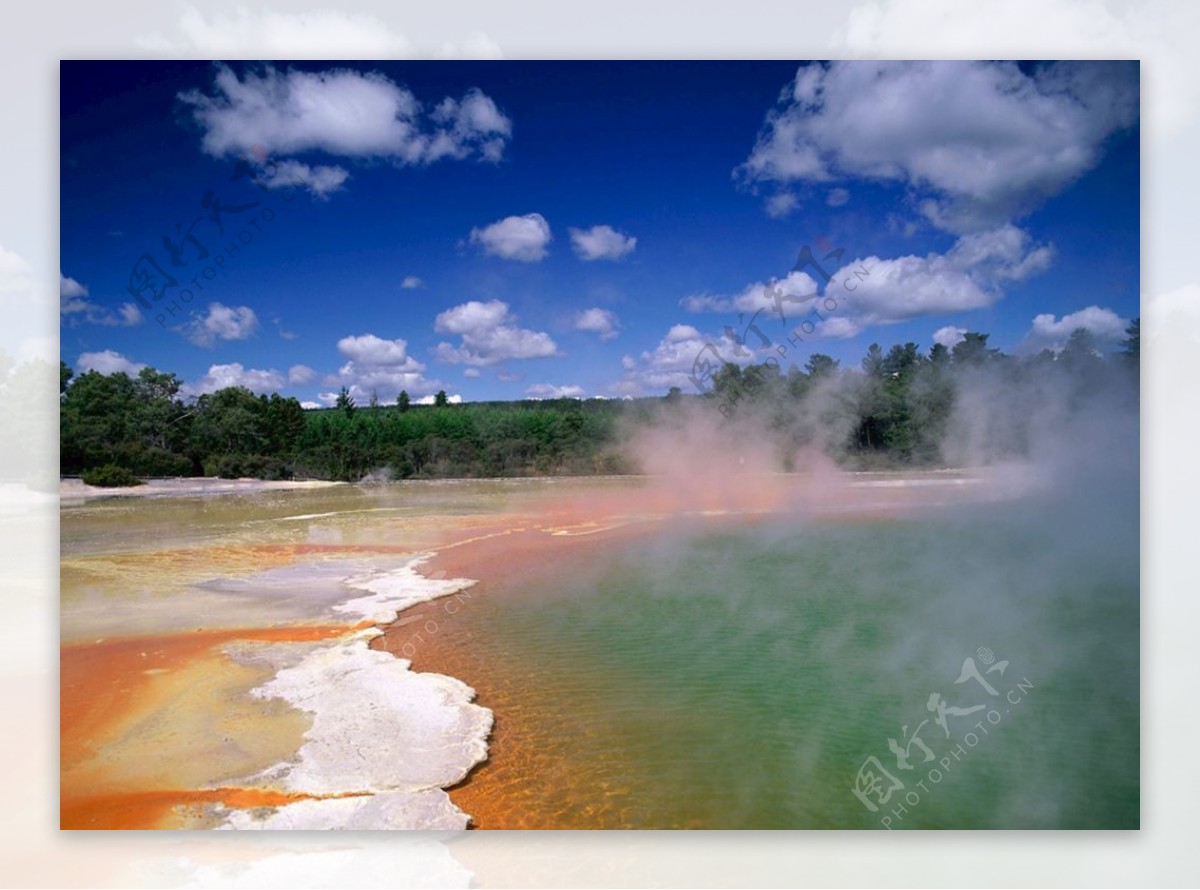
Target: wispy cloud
601, 243
321, 181
782, 204
602, 322
75, 307
550, 391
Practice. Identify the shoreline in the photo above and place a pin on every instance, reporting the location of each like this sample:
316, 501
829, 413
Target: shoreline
320, 730
74, 491
575, 530
501, 561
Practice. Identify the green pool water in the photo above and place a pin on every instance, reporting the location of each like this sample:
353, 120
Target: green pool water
718, 678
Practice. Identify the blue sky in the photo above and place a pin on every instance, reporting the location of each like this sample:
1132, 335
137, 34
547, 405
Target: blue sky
506, 230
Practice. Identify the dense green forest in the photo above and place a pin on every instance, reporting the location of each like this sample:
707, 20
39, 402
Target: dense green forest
896, 410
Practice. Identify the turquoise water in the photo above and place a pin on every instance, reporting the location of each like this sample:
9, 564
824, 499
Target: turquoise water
723, 678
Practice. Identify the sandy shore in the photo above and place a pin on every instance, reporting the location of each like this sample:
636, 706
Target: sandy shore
75, 491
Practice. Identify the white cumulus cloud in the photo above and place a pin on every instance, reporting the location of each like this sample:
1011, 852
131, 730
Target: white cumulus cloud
792, 295
454, 399
341, 112
488, 334
378, 365
522, 238
222, 376
949, 335
874, 291
221, 322
971, 275
685, 353
982, 142
999, 29
371, 350
1050, 332
107, 362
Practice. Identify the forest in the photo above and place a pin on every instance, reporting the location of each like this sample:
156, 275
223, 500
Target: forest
900, 408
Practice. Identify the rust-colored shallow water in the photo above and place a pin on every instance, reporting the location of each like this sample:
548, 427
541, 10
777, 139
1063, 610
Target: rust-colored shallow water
175, 609
143, 718
517, 785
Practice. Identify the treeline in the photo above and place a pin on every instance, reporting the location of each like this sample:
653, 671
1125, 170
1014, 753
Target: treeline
142, 426
897, 411
555, 437
968, 404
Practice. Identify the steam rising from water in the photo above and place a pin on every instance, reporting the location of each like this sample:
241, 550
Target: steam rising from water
1074, 426
1031, 550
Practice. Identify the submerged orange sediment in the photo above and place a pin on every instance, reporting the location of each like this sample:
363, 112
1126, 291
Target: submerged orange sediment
157, 729
161, 808
151, 723
514, 786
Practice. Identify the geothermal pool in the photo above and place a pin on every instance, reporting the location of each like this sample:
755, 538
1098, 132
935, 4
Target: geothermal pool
626, 656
